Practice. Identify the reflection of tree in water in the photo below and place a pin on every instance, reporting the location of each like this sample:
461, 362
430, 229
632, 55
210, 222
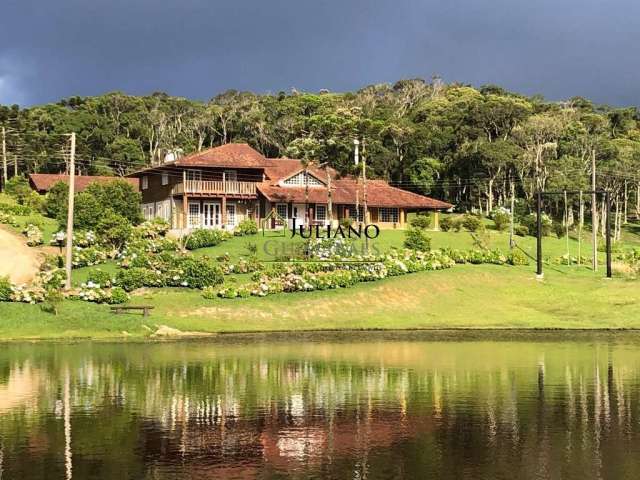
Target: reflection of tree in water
546, 414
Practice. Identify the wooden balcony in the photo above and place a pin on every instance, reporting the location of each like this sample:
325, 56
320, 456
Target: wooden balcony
215, 188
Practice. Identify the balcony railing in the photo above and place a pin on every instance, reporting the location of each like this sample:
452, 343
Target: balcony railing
215, 187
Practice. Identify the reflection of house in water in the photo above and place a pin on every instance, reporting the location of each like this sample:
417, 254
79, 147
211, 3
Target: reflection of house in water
280, 439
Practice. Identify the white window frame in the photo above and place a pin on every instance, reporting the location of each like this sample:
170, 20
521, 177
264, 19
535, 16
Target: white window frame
389, 214
286, 209
324, 215
300, 179
144, 182
191, 215
165, 179
231, 215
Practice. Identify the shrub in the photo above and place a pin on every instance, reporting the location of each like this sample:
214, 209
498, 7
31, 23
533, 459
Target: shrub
133, 278
559, 229
33, 234
198, 273
501, 219
87, 212
416, 239
446, 224
346, 222
52, 301
420, 221
531, 222
15, 209
100, 277
516, 257
472, 223
118, 295
18, 188
119, 196
5, 289
521, 230
325, 248
248, 226
114, 230
56, 200
205, 238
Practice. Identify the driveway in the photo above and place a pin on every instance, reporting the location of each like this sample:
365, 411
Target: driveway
17, 260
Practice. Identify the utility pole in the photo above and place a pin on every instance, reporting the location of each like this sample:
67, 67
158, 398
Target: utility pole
72, 171
356, 158
4, 158
513, 214
364, 193
594, 210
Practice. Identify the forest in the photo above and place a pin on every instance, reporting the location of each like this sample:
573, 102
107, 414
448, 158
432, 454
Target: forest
474, 147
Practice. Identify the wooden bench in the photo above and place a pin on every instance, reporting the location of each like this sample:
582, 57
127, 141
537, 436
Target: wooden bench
125, 308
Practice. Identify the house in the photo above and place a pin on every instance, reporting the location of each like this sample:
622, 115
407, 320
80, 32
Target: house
221, 186
43, 182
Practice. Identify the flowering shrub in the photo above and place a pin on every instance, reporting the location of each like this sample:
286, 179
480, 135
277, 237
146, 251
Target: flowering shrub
248, 226
8, 219
321, 275
93, 292
28, 293
501, 218
100, 277
325, 248
166, 269
152, 229
205, 238
83, 257
516, 257
33, 234
242, 266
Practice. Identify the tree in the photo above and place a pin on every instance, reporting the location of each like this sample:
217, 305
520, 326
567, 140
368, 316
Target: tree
57, 199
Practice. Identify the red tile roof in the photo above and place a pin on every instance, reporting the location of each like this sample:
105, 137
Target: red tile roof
42, 182
232, 155
379, 192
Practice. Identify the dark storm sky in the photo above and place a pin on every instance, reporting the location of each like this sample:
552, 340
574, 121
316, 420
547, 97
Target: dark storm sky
198, 48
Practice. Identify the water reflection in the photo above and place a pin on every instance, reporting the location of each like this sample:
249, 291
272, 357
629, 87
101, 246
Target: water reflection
376, 408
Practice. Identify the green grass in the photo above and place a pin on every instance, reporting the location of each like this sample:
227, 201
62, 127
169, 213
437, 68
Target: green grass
482, 296
467, 296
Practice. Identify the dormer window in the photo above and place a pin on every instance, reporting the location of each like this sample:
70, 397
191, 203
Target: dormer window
301, 178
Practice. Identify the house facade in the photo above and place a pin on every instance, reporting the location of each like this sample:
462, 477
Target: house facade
221, 186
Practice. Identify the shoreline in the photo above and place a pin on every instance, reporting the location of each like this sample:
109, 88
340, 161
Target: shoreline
437, 334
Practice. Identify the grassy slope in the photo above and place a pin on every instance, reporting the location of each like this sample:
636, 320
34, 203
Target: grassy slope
463, 297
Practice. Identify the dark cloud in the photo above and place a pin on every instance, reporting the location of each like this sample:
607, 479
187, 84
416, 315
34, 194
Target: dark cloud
198, 48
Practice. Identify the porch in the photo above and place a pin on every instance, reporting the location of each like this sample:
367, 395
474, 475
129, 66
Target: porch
215, 188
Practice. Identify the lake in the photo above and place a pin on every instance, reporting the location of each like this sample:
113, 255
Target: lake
358, 406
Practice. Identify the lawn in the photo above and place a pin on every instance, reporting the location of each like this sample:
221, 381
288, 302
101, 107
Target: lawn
467, 296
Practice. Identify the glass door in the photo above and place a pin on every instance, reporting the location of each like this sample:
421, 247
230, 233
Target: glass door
211, 214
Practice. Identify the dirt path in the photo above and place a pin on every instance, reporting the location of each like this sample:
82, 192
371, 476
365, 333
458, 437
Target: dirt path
17, 260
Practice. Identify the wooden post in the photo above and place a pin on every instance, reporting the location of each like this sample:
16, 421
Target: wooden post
223, 213
185, 200
539, 234
594, 211
72, 181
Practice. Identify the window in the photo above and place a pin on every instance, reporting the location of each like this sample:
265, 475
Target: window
321, 213
231, 215
194, 215
389, 215
194, 175
230, 175
145, 182
165, 179
282, 210
353, 211
299, 179
148, 211
163, 210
